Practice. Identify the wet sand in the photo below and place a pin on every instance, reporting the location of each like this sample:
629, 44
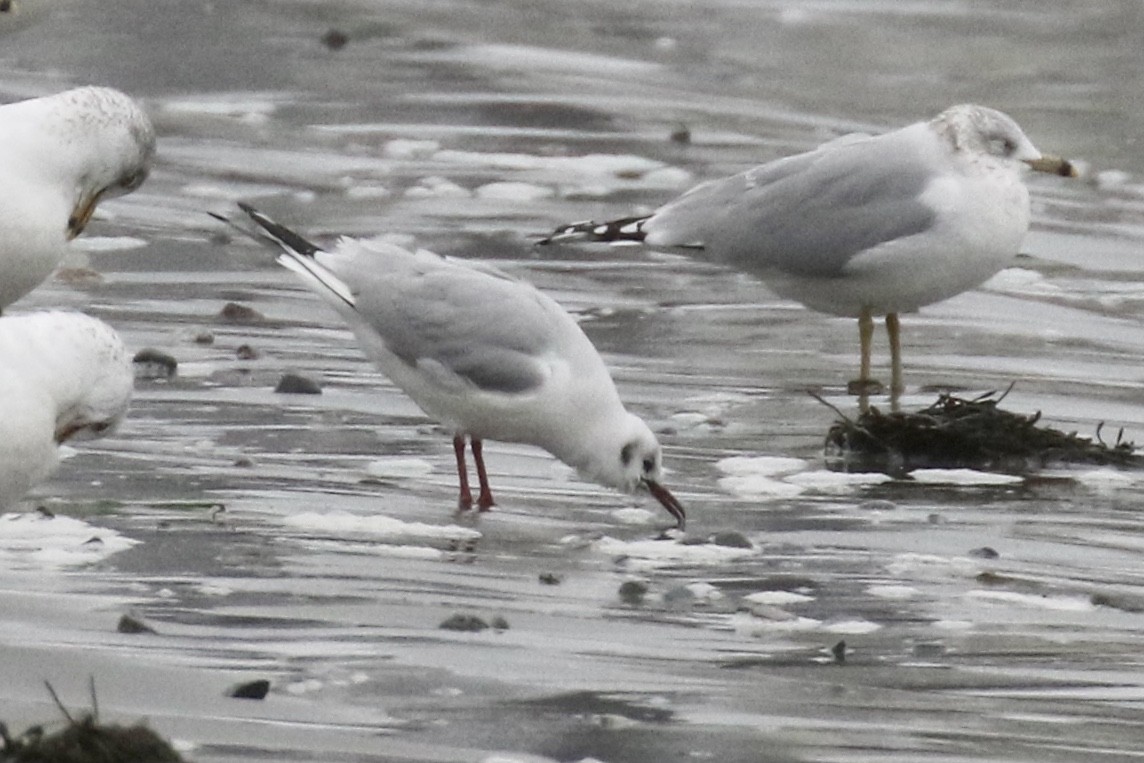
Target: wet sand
338, 554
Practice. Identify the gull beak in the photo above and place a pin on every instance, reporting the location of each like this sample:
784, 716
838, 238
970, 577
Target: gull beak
82, 213
1054, 165
668, 501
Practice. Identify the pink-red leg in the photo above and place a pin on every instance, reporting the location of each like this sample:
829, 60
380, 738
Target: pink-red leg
485, 499
465, 501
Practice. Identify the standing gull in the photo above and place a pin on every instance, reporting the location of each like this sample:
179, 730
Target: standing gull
64, 376
862, 226
59, 157
487, 355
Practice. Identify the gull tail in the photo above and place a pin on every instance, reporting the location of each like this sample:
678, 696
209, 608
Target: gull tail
298, 254
624, 229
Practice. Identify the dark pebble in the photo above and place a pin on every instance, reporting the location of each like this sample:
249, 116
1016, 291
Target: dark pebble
45, 511
250, 690
731, 539
460, 622
129, 624
681, 135
550, 578
839, 652
295, 384
232, 312
244, 462
633, 592
335, 39
154, 364
499, 623
246, 352
985, 552
204, 337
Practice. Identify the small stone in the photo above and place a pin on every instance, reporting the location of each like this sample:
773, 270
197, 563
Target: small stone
929, 649
459, 622
203, 337
243, 462
232, 312
633, 592
499, 623
551, 578
150, 363
731, 539
295, 384
45, 512
985, 552
335, 39
246, 352
839, 652
250, 690
129, 624
681, 135
79, 276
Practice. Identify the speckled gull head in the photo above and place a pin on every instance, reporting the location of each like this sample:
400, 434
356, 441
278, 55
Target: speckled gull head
978, 130
78, 362
64, 376
60, 155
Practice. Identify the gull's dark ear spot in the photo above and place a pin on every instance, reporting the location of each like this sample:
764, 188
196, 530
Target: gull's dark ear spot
626, 453
7, 6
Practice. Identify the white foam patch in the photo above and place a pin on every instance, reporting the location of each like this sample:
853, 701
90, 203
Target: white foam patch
767, 466
851, 627
837, 482
635, 516
376, 526
407, 148
647, 554
398, 467
1105, 479
1021, 281
777, 598
514, 192
745, 624
107, 243
892, 592
1034, 601
966, 477
759, 486
56, 541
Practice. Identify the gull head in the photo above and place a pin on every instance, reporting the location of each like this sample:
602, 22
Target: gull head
79, 363
631, 460
105, 146
980, 130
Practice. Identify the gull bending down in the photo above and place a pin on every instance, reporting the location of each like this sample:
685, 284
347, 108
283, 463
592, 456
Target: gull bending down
486, 354
64, 376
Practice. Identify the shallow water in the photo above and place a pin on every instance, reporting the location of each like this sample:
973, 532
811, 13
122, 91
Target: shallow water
338, 556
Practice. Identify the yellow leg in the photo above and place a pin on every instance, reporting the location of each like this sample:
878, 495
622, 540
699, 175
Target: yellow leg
894, 330
865, 340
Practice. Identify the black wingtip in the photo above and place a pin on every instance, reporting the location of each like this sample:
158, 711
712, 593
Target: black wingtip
280, 233
624, 229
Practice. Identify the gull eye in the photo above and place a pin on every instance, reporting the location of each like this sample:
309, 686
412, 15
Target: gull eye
7, 6
648, 465
1002, 146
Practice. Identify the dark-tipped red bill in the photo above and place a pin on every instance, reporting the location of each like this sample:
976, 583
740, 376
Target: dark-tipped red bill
668, 501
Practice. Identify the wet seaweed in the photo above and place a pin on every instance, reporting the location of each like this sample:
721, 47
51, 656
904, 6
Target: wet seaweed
86, 740
957, 432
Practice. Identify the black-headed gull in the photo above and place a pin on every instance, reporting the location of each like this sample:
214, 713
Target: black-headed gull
64, 376
487, 355
59, 156
862, 226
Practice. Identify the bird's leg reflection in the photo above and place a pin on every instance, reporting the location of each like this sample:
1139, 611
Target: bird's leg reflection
894, 332
485, 498
465, 500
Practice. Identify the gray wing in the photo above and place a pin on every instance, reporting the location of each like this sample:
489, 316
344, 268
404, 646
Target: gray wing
480, 325
807, 214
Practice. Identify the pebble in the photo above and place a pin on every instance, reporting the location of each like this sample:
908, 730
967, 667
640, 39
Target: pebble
154, 364
232, 312
250, 690
296, 384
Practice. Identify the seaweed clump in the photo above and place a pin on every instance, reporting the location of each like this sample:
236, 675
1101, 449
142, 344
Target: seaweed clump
956, 432
86, 740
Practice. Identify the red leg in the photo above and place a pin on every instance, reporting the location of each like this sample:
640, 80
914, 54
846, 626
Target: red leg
485, 499
465, 501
